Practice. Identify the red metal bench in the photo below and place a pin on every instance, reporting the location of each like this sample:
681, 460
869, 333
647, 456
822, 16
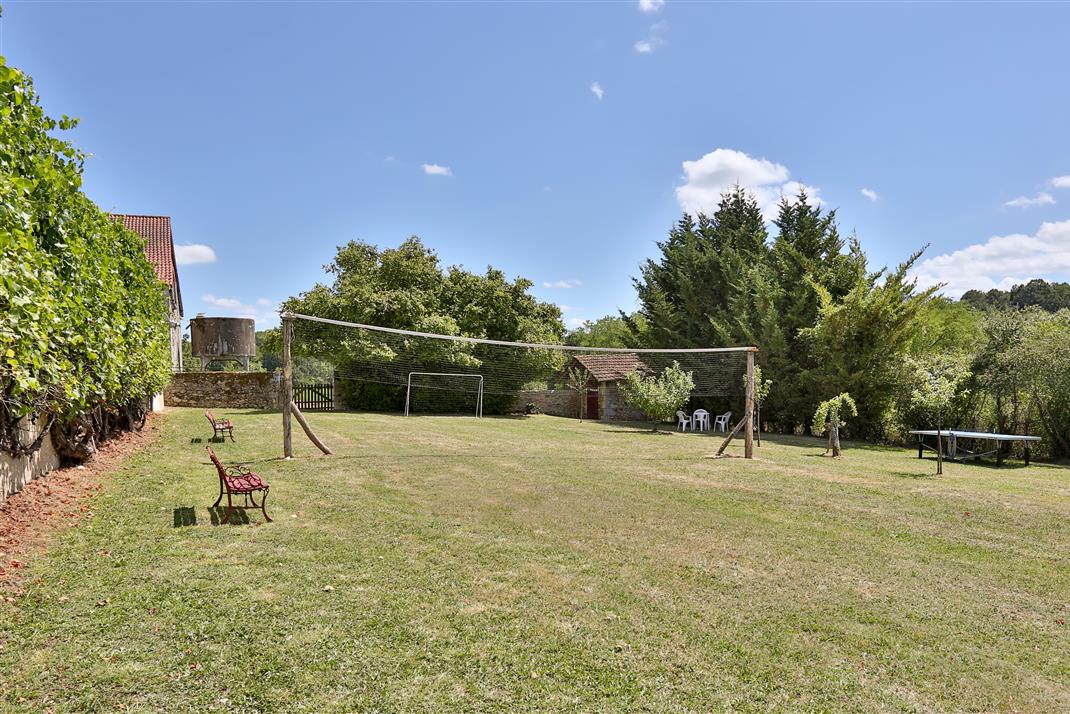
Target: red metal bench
238, 480
220, 426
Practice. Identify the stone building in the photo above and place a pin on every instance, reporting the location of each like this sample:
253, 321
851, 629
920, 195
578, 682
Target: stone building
160, 250
603, 399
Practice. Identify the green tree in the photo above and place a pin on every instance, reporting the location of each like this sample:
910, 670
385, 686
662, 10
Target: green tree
938, 382
816, 267
945, 325
658, 396
859, 343
830, 417
1002, 369
577, 379
609, 331
1045, 351
687, 296
1050, 297
762, 388
407, 288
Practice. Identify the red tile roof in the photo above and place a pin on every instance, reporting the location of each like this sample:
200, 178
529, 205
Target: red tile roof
159, 247
612, 366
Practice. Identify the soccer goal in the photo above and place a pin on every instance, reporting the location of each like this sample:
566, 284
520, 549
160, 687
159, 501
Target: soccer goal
443, 378
406, 371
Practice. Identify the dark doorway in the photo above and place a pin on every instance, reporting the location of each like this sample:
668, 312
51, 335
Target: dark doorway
592, 404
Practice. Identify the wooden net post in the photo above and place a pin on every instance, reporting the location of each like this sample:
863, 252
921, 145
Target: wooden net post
287, 386
748, 444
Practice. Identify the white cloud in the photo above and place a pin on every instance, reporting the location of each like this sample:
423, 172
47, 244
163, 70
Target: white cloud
705, 179
870, 194
651, 5
655, 39
1041, 199
265, 311
194, 253
596, 88
389, 158
226, 303
436, 170
575, 322
1061, 182
565, 284
1001, 261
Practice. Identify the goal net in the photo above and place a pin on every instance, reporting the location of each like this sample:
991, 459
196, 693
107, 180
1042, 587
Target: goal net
386, 369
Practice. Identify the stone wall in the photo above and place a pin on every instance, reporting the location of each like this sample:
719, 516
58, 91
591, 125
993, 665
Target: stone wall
612, 407
15, 473
556, 402
565, 402
234, 390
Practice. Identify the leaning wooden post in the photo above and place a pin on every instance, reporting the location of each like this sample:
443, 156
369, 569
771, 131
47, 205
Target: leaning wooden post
308, 430
287, 386
748, 444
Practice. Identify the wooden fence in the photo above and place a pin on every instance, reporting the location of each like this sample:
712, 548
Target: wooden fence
314, 397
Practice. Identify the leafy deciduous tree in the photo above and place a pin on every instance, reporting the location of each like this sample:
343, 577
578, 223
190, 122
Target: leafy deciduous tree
658, 396
830, 417
938, 382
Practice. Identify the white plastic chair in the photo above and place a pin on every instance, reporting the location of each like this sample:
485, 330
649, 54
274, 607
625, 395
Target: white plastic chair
701, 419
683, 421
721, 422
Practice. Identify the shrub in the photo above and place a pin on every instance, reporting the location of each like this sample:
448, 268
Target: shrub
83, 319
658, 396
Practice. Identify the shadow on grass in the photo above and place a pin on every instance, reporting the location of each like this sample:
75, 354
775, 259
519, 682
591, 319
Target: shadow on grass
185, 516
647, 431
210, 440
238, 516
986, 463
910, 475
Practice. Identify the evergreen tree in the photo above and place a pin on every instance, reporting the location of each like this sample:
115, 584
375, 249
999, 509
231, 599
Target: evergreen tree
808, 258
859, 343
687, 297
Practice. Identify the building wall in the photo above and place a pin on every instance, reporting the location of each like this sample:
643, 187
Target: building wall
556, 402
612, 407
566, 402
15, 473
234, 390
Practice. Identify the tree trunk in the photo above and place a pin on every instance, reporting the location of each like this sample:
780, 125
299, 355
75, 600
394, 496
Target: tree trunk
75, 440
758, 432
834, 437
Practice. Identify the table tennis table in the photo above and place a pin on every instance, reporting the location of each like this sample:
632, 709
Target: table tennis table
979, 440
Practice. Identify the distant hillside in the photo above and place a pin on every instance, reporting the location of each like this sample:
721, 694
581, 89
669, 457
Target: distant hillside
1045, 295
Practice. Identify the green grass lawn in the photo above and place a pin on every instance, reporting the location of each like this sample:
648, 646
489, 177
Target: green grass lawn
517, 564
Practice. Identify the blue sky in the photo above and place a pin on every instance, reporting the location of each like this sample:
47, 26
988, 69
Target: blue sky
559, 141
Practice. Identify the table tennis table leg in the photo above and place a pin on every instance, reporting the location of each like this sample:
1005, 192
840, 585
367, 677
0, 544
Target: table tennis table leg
921, 444
1027, 453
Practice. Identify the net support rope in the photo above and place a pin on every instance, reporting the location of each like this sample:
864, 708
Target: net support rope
531, 345
387, 367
